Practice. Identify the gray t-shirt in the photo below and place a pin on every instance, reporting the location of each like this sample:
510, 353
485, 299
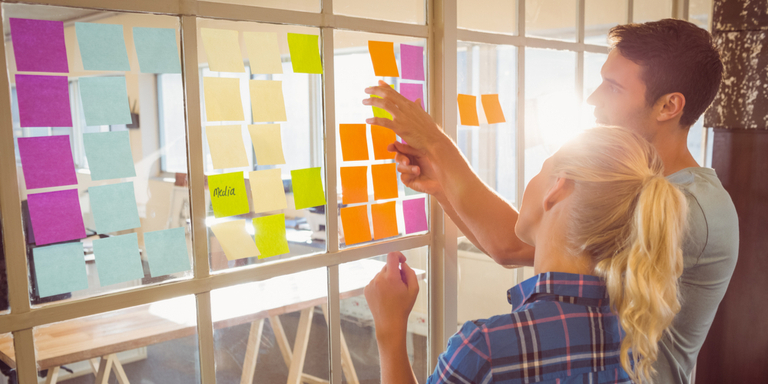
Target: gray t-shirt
709, 257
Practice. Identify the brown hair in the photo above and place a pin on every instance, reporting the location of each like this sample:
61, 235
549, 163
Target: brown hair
676, 56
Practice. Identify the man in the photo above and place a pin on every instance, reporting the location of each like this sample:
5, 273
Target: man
658, 79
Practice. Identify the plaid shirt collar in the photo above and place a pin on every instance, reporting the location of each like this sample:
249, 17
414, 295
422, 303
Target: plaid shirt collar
558, 284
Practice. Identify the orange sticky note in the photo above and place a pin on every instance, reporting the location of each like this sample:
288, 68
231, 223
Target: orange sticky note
382, 137
468, 110
384, 181
492, 108
384, 220
383, 58
354, 221
354, 145
354, 184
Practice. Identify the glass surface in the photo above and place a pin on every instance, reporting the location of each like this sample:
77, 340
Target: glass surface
152, 343
357, 322
259, 325
301, 140
490, 148
700, 13
551, 19
649, 10
488, 15
7, 359
593, 63
293, 5
404, 11
600, 16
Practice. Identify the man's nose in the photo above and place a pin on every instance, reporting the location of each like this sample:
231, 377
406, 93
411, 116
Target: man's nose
592, 99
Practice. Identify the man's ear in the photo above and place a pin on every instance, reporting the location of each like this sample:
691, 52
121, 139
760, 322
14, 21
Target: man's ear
670, 106
563, 188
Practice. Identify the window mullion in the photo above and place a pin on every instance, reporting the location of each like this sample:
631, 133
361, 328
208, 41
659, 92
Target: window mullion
580, 32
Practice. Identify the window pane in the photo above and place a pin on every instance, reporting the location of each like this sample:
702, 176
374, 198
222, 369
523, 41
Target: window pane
551, 19
700, 13
293, 5
593, 63
473, 14
405, 11
648, 10
7, 358
600, 16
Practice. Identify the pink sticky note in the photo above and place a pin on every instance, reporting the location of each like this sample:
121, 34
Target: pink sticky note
415, 215
43, 101
47, 161
413, 92
56, 216
412, 62
38, 45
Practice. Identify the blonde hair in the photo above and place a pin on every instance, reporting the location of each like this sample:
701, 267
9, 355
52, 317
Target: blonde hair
630, 220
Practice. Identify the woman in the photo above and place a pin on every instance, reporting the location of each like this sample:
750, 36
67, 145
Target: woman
607, 229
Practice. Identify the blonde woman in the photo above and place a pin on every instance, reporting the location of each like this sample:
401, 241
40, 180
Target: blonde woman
607, 228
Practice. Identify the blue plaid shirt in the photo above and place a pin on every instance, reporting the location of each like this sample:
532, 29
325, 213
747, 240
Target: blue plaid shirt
561, 330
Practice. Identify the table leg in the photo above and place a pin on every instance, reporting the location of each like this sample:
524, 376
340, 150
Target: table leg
119, 372
105, 367
94, 365
281, 339
346, 358
252, 352
53, 375
300, 346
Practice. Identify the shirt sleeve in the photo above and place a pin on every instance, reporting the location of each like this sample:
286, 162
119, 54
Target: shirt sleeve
467, 359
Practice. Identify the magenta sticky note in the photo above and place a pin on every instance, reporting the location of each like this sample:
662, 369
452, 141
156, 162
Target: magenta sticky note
47, 161
415, 215
38, 45
43, 101
56, 216
412, 62
413, 92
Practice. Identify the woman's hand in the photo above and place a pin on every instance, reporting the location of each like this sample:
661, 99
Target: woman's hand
390, 296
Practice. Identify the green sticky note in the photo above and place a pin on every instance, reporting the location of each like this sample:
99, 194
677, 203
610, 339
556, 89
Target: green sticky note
102, 47
156, 50
109, 155
167, 251
114, 207
307, 188
270, 235
105, 100
305, 54
118, 259
60, 269
378, 112
228, 194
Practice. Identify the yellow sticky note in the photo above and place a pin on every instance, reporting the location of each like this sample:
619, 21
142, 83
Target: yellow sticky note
384, 220
270, 235
226, 145
223, 50
354, 145
305, 53
235, 240
382, 137
383, 58
222, 99
492, 108
354, 221
468, 110
378, 112
263, 52
267, 102
267, 143
228, 195
384, 181
354, 184
267, 190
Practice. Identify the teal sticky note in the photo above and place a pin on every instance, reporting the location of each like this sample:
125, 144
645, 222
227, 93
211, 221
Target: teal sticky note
307, 188
114, 207
102, 47
109, 155
156, 49
60, 269
118, 259
167, 251
105, 100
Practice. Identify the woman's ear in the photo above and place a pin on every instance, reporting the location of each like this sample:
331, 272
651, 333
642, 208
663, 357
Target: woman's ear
560, 190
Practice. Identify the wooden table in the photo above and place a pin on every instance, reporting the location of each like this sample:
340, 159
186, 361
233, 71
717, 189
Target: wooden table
104, 335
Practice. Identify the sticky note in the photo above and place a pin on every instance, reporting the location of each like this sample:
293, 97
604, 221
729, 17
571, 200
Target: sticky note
225, 143
43, 101
354, 184
267, 190
383, 58
38, 45
354, 221
167, 251
234, 240
412, 62
384, 181
223, 50
109, 155
56, 216
263, 52
156, 50
60, 269
354, 145
378, 112
102, 47
413, 92
228, 194
267, 143
105, 100
382, 138
117, 259
47, 161
222, 99
468, 110
492, 108
267, 102
415, 215
305, 53
384, 220
270, 235
114, 207
307, 188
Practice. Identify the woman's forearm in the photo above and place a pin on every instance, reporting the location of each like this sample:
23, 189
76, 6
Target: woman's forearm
395, 365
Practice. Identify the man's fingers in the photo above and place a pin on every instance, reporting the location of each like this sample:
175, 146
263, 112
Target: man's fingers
406, 149
410, 170
381, 121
